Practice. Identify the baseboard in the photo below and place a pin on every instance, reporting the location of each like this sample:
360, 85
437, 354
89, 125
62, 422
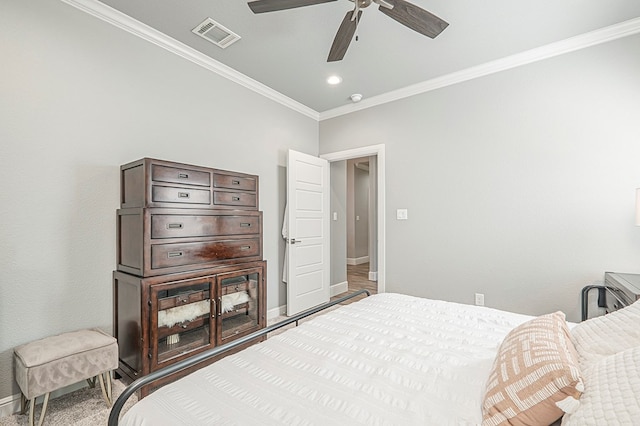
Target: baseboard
276, 312
357, 260
334, 290
10, 405
339, 288
373, 276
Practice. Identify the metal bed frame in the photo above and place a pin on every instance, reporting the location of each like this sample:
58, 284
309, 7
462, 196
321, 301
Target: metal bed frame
608, 290
114, 415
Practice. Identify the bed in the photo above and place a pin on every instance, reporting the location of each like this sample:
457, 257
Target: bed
388, 359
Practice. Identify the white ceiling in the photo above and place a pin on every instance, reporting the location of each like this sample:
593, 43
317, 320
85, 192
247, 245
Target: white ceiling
287, 50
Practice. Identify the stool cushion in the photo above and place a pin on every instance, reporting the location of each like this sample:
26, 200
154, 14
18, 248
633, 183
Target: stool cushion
51, 363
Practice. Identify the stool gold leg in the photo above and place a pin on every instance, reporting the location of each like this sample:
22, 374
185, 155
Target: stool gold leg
32, 409
106, 392
32, 406
109, 386
23, 403
44, 408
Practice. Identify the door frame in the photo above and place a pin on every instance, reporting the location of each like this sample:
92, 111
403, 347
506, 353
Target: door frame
366, 151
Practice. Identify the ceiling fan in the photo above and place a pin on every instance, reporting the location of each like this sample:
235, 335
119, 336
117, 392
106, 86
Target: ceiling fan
406, 13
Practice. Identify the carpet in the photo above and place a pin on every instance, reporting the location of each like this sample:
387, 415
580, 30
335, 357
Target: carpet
83, 407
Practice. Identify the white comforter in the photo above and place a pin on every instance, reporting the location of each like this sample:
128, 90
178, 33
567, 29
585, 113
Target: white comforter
389, 359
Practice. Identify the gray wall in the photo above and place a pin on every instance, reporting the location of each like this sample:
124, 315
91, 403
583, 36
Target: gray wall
357, 210
519, 185
339, 226
361, 204
79, 97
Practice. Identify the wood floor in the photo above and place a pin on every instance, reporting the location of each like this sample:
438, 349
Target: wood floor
358, 279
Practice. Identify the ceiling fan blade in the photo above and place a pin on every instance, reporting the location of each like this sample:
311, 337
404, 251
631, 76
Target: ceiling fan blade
343, 37
414, 17
261, 6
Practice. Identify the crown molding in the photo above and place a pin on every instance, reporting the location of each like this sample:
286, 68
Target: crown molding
137, 28
145, 32
582, 41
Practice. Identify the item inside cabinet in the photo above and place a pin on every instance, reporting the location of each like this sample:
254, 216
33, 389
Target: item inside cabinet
238, 305
183, 315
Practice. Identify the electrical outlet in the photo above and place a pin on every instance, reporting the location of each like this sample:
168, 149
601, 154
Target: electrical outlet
479, 299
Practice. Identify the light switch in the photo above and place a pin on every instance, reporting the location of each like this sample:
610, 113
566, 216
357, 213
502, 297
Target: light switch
357, 217
402, 214
335, 215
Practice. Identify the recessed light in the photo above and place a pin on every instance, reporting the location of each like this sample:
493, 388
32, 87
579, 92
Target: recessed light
334, 79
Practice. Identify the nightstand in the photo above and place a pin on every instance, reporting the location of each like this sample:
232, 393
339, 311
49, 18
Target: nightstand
619, 290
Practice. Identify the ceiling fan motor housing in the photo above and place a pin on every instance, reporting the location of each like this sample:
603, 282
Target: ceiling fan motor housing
402, 11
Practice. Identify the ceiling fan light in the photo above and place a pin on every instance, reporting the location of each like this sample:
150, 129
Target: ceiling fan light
334, 79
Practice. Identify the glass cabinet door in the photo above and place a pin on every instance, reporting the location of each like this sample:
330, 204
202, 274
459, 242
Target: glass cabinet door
238, 307
182, 315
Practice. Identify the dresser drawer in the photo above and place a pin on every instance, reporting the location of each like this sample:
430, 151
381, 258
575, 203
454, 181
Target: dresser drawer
163, 184
238, 199
234, 182
182, 254
184, 226
180, 175
171, 194
150, 239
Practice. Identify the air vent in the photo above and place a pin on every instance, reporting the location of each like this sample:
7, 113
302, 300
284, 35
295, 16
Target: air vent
215, 33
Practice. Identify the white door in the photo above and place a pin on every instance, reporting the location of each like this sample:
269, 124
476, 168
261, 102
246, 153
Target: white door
308, 272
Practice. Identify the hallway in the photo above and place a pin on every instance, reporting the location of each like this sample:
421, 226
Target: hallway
358, 279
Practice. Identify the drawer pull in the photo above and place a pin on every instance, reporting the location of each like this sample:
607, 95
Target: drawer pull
235, 182
174, 254
244, 225
235, 198
183, 175
183, 195
245, 247
175, 226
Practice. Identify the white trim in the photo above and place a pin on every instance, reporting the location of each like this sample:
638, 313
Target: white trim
377, 150
279, 311
9, 405
339, 288
145, 32
373, 276
571, 44
137, 28
357, 260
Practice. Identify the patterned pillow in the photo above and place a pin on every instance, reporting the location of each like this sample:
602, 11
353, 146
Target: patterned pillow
607, 335
535, 376
612, 386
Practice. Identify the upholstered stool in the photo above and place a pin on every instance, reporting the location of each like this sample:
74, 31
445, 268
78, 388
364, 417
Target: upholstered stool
51, 363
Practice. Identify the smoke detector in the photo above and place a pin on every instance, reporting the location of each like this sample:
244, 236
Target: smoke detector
216, 33
356, 97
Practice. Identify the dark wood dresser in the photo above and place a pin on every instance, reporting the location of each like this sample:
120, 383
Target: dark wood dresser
190, 271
